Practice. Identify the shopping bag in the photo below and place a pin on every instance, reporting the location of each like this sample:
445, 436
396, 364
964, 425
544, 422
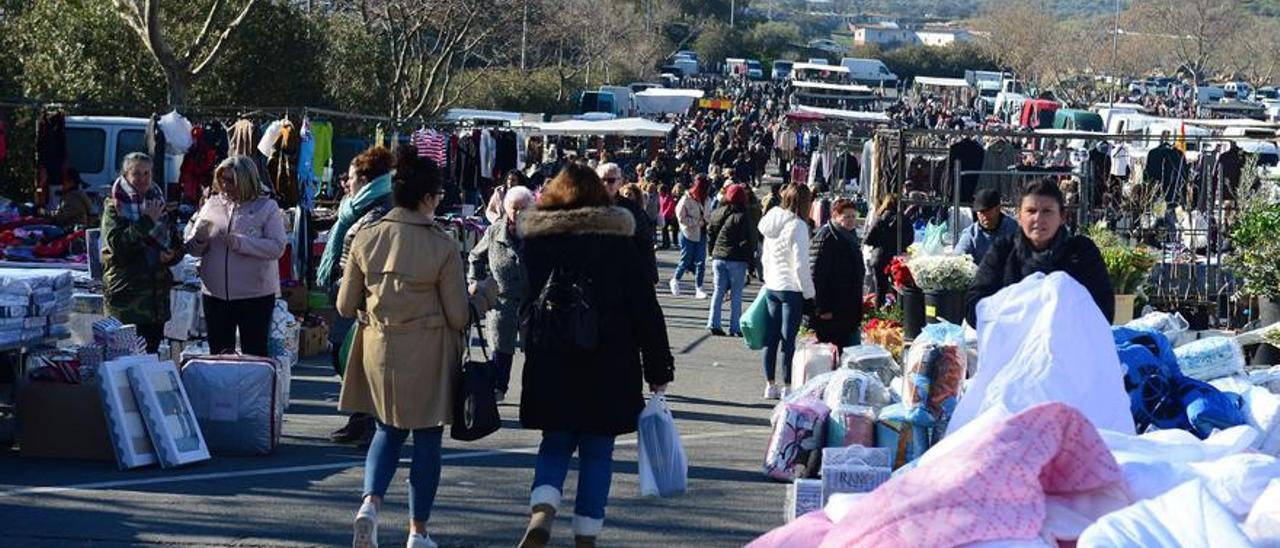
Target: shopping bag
475, 407
664, 469
755, 321
812, 359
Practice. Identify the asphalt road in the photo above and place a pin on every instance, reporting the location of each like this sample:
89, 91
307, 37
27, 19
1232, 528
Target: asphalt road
307, 492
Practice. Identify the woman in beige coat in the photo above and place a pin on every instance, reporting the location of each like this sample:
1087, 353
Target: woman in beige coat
405, 284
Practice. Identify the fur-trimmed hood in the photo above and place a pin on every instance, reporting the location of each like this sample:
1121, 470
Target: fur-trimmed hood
605, 221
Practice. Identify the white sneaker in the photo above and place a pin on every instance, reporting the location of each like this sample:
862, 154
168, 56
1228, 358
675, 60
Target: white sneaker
366, 527
699, 294
675, 287
421, 541
771, 391
786, 391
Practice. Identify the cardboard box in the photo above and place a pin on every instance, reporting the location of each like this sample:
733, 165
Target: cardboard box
64, 421
313, 341
297, 298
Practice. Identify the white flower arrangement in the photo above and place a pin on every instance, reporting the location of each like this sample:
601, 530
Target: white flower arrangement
943, 272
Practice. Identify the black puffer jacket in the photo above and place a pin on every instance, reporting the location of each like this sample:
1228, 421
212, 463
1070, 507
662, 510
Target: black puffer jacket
732, 234
599, 391
838, 271
642, 237
1006, 264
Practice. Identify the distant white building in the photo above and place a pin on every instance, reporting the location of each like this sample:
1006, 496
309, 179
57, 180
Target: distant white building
943, 37
890, 34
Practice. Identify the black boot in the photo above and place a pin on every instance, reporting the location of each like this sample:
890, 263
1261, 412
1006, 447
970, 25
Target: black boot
359, 426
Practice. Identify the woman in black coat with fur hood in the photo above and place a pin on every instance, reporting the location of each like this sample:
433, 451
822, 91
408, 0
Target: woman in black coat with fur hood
595, 335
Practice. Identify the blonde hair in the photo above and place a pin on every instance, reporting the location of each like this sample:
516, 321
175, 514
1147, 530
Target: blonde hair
244, 173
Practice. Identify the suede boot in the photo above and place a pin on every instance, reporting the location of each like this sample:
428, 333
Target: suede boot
538, 534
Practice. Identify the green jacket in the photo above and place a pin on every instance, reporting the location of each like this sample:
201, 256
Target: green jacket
136, 292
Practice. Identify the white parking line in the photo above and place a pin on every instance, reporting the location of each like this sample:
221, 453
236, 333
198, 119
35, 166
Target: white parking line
185, 478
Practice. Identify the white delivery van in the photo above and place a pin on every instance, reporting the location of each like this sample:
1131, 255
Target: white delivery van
623, 102
688, 66
870, 72
96, 145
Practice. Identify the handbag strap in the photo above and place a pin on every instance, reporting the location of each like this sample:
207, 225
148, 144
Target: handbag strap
475, 323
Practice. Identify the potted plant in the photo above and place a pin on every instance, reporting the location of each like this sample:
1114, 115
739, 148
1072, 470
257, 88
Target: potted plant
1128, 266
944, 279
912, 298
1255, 259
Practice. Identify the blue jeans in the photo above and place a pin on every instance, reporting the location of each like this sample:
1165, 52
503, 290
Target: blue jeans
730, 278
785, 311
693, 256
595, 468
424, 473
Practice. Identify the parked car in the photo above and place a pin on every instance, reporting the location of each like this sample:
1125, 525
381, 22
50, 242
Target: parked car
96, 145
595, 101
755, 70
782, 69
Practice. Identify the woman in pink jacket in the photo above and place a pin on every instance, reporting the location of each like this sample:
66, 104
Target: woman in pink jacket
239, 237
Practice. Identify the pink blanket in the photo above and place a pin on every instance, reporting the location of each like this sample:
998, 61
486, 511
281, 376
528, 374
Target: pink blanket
996, 487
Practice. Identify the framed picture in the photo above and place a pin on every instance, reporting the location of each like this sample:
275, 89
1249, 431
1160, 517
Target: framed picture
172, 424
124, 418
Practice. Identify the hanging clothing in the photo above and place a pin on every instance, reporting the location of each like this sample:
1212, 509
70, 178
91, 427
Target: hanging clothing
177, 133
1166, 166
998, 157
488, 154
306, 166
51, 147
197, 166
865, 179
1230, 166
970, 155
1120, 160
1099, 165
322, 135
240, 139
505, 154
282, 165
269, 136
157, 144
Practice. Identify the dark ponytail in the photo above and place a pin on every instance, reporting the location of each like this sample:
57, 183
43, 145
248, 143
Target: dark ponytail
415, 178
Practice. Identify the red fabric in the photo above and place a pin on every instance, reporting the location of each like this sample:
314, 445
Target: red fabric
197, 167
286, 263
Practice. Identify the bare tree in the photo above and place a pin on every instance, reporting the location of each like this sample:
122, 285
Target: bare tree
1251, 53
1193, 29
438, 49
181, 69
1015, 35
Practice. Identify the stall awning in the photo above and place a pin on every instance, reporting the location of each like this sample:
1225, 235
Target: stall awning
804, 112
941, 82
459, 114
666, 101
625, 127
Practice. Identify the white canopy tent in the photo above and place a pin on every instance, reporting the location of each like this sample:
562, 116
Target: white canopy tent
941, 82
853, 115
625, 127
666, 101
459, 114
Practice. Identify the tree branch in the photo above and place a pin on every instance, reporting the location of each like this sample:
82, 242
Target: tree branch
222, 38
204, 32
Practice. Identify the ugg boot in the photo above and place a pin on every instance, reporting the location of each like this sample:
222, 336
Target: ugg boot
544, 501
538, 534
585, 531
580, 541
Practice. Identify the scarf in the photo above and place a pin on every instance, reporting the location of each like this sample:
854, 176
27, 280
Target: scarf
1044, 260
129, 203
349, 211
849, 236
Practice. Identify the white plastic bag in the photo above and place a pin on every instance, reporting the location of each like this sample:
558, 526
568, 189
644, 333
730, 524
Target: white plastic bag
1043, 339
182, 314
664, 469
810, 360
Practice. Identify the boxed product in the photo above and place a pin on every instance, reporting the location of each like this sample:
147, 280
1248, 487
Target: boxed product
803, 496
314, 340
852, 478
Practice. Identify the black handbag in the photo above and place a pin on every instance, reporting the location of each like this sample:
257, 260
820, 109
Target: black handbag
475, 407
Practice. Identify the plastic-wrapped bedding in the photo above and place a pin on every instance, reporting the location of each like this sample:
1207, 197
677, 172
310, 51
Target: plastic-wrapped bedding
798, 432
236, 400
871, 358
1211, 358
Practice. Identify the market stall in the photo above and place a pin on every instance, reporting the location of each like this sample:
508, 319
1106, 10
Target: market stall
666, 101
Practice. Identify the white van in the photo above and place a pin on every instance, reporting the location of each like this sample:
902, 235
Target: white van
687, 65
96, 145
869, 72
623, 102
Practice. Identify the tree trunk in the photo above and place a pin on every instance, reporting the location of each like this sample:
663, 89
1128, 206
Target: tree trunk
179, 84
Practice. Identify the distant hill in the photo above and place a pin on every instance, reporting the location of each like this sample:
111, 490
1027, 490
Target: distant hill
960, 9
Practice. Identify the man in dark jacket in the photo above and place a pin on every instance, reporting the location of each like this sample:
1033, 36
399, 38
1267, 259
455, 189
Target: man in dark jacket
838, 271
1042, 245
611, 175
731, 235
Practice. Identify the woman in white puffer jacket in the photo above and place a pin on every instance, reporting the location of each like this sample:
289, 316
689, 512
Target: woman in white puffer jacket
787, 279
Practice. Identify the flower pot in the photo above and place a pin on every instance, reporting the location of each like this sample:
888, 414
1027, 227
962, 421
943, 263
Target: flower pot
1124, 309
1268, 313
912, 312
944, 306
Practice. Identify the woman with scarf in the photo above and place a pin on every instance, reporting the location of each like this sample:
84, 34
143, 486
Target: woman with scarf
139, 244
838, 272
1043, 245
369, 178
